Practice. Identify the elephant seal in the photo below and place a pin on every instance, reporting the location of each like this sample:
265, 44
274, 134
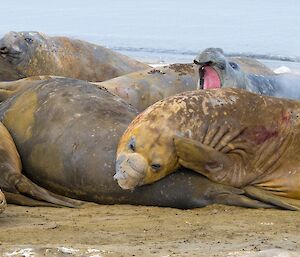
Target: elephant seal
143, 88
33, 53
2, 202
217, 71
231, 136
66, 132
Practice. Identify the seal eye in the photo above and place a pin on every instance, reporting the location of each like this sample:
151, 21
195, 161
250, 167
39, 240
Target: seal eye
234, 65
28, 40
131, 144
155, 167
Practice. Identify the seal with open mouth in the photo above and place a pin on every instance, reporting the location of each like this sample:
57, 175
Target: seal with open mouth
231, 136
218, 71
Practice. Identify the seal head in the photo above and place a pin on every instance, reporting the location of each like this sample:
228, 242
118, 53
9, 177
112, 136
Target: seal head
141, 159
17, 47
216, 71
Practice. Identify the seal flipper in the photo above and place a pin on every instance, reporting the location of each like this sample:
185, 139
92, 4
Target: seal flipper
199, 157
268, 197
18, 199
241, 201
27, 187
228, 195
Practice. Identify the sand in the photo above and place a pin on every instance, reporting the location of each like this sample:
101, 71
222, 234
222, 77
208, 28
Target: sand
124, 230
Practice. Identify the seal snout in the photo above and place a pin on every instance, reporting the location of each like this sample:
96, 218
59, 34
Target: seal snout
4, 50
130, 170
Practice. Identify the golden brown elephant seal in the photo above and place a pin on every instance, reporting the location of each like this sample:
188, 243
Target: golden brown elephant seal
143, 88
2, 202
231, 136
33, 53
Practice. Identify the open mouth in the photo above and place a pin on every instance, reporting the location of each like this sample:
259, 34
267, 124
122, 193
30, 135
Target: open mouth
208, 78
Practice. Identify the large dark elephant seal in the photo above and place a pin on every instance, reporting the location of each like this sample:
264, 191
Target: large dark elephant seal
231, 136
143, 88
66, 132
8, 71
2, 202
34, 53
217, 71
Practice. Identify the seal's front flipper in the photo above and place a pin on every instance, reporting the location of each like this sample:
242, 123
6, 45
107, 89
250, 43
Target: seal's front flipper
241, 201
18, 199
201, 158
268, 197
27, 187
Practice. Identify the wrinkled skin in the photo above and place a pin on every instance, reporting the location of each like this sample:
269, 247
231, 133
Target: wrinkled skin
34, 53
231, 136
218, 71
8, 71
66, 132
2, 202
143, 88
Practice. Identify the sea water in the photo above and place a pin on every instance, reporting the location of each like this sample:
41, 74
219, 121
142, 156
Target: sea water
161, 31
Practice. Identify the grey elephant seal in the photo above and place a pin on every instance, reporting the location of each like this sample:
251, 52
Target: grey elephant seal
231, 136
33, 53
66, 132
217, 71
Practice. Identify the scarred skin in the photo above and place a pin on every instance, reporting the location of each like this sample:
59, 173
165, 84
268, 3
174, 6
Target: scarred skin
143, 88
231, 136
33, 53
66, 132
2, 202
218, 71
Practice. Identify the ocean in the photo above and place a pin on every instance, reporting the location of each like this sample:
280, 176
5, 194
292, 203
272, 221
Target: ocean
164, 31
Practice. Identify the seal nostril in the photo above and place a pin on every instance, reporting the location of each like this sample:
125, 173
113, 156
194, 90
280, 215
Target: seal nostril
4, 50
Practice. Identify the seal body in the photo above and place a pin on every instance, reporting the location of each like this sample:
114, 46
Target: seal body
143, 88
217, 71
231, 136
33, 53
66, 132
2, 202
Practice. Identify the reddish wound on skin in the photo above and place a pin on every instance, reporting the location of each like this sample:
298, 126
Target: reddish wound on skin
259, 135
285, 117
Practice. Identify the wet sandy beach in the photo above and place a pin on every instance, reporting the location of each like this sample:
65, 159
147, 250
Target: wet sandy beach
124, 230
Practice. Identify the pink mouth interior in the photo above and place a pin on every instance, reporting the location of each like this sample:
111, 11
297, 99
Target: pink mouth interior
211, 78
